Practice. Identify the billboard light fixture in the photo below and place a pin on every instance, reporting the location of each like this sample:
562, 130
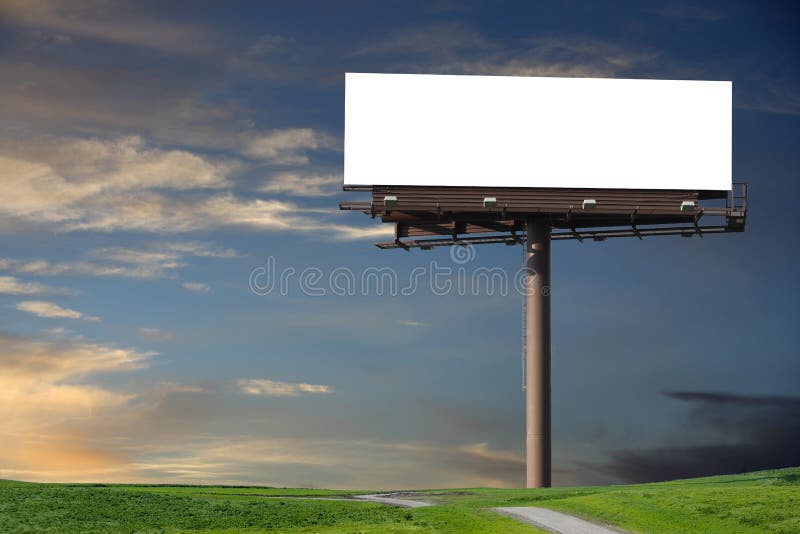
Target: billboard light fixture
389, 201
589, 204
490, 202
688, 205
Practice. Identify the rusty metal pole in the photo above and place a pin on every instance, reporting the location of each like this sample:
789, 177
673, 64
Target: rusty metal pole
537, 358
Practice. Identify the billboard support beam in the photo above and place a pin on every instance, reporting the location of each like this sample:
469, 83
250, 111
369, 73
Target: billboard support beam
537, 357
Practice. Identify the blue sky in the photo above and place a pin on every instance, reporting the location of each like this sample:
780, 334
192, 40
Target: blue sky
150, 157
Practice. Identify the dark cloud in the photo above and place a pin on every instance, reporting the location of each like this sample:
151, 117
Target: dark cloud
470, 422
723, 433
730, 399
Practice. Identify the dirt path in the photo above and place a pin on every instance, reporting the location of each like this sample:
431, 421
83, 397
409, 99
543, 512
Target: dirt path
555, 522
392, 499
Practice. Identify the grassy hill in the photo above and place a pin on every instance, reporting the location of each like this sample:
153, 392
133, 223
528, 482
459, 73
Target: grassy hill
766, 501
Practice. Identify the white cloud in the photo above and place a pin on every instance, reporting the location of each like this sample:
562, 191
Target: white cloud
303, 185
62, 180
162, 214
288, 146
159, 260
39, 267
58, 331
342, 232
10, 285
51, 310
155, 334
68, 184
196, 287
27, 360
164, 260
198, 249
413, 323
272, 388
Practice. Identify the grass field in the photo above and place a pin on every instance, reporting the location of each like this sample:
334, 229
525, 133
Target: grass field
767, 501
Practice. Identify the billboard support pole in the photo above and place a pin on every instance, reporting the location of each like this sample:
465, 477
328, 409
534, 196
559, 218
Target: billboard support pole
537, 329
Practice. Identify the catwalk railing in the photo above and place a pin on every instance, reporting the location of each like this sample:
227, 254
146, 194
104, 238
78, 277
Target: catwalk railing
433, 217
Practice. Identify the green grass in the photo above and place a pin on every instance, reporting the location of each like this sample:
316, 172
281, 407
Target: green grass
767, 501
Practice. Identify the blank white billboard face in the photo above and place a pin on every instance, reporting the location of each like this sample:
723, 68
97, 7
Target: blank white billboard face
499, 131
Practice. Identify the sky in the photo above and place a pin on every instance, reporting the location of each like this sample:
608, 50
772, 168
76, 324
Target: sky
158, 161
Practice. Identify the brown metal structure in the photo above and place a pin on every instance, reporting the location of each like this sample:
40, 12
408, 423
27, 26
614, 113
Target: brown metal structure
537, 353
428, 217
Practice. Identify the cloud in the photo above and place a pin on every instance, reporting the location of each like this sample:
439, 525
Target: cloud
157, 213
40, 267
173, 387
44, 399
123, 185
722, 434
555, 56
266, 43
272, 388
60, 424
38, 36
289, 62
163, 256
50, 310
158, 260
688, 11
417, 324
496, 466
285, 462
455, 48
303, 185
196, 287
464, 422
110, 22
58, 331
162, 259
288, 146
341, 232
63, 179
155, 334
440, 38
198, 249
27, 362
296, 462
63, 93
10, 285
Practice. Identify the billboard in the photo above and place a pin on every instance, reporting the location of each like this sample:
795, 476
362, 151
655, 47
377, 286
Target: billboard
505, 131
